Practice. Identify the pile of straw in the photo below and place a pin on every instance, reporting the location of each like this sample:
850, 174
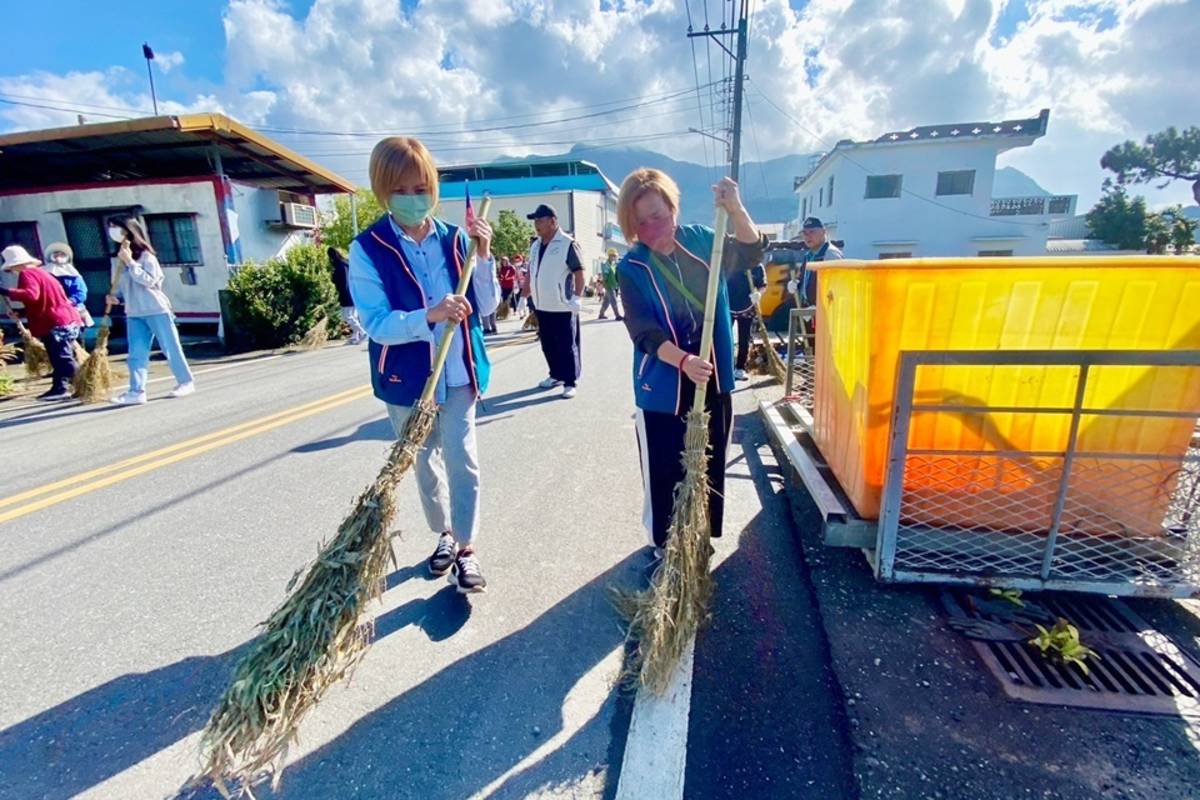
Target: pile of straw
316, 337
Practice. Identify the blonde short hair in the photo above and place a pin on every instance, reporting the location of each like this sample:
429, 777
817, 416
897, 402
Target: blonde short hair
636, 184
396, 158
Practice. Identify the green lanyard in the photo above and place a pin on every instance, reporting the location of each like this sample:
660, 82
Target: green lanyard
675, 281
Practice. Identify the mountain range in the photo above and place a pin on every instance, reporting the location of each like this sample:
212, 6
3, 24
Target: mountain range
766, 186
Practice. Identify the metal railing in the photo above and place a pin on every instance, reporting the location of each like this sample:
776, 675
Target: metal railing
1108, 503
800, 384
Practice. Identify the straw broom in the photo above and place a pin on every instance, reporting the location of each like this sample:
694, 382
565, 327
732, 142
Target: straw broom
315, 637
503, 311
37, 360
665, 617
93, 381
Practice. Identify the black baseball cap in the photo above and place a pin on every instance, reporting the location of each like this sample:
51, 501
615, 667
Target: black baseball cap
542, 211
812, 222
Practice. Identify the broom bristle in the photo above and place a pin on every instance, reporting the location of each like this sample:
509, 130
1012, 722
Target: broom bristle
37, 360
314, 638
503, 311
531, 322
93, 381
316, 337
665, 617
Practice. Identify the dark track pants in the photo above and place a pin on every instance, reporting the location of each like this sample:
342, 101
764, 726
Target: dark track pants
558, 332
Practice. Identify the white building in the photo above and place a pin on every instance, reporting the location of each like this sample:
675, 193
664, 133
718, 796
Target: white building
585, 199
211, 192
928, 192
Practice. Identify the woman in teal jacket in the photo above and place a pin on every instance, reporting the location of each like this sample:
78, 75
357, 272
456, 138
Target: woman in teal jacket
663, 280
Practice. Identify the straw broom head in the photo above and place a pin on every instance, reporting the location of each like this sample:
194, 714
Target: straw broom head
314, 639
93, 381
531, 322
316, 337
37, 360
503, 311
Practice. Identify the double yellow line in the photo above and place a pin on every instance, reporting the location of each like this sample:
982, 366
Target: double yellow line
18, 505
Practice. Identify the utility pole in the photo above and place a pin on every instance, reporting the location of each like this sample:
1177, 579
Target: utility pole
739, 78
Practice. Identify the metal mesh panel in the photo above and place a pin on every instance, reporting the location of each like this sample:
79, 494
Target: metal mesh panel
1114, 511
801, 384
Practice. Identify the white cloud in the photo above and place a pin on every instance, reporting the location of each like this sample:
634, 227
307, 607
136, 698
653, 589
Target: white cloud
1107, 69
168, 61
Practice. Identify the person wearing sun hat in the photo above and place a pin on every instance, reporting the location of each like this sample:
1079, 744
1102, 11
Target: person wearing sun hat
58, 263
51, 316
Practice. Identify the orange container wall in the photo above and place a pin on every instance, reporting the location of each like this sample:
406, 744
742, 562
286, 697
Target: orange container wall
869, 312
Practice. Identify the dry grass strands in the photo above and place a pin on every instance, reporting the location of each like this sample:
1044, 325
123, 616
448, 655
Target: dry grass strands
93, 381
314, 638
663, 618
503, 311
316, 337
80, 352
37, 360
531, 323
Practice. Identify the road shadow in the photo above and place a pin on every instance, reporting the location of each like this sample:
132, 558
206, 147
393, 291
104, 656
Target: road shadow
376, 430
46, 411
522, 398
482, 719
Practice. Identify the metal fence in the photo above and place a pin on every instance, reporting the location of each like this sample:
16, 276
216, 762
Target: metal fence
801, 383
1107, 500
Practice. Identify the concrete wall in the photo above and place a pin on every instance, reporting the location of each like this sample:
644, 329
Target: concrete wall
928, 225
198, 198
260, 241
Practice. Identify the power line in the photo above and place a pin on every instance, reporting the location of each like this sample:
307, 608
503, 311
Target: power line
909, 192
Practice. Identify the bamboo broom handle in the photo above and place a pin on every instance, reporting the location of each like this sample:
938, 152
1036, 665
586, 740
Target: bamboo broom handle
715, 274
464, 281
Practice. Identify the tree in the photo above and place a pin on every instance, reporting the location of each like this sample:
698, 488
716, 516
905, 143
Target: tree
1169, 155
337, 230
1182, 229
1158, 234
510, 235
1118, 220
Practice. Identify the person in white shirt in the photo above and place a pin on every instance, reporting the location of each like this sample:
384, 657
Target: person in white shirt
556, 279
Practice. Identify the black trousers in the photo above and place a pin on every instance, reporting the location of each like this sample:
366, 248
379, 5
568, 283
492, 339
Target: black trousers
62, 356
558, 332
743, 337
660, 443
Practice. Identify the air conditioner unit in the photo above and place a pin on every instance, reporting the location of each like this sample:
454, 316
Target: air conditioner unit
298, 215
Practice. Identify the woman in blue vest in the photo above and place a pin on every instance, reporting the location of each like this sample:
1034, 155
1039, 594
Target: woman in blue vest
663, 280
404, 271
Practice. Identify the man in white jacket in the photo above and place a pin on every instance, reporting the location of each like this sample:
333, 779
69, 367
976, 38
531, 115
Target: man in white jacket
556, 280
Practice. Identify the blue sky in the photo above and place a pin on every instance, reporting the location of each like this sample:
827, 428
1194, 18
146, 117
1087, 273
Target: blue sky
848, 69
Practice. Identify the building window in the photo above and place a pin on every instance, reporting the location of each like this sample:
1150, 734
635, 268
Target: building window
804, 207
960, 181
22, 233
829, 192
883, 256
881, 186
175, 238
1059, 205
821, 198
995, 253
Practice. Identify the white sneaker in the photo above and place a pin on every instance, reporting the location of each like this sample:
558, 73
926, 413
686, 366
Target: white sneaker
130, 399
549, 383
183, 390
740, 375
568, 392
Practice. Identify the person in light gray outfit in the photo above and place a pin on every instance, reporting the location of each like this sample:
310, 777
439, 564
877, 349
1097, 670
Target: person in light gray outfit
148, 315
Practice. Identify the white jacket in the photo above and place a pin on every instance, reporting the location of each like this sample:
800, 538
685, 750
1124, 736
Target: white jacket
550, 278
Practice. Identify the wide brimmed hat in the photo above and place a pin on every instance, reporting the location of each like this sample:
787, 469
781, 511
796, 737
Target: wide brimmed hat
17, 256
60, 247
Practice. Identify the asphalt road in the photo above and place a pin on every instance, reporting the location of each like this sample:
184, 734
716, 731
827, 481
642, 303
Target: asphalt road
143, 545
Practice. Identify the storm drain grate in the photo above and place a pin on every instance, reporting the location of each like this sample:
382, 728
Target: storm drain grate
1141, 670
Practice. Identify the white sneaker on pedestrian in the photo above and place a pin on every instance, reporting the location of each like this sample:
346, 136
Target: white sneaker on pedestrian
130, 399
549, 383
740, 375
568, 392
183, 390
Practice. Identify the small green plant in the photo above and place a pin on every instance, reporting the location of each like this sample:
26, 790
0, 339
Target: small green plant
1011, 595
1061, 643
278, 302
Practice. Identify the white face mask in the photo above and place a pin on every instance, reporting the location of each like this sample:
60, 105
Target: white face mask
116, 234
59, 258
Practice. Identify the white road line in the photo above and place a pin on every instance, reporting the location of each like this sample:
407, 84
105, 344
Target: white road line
656, 749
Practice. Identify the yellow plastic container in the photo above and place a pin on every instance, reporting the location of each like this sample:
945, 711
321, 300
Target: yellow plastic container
869, 312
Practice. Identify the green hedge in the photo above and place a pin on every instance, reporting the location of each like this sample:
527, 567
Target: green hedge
275, 303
